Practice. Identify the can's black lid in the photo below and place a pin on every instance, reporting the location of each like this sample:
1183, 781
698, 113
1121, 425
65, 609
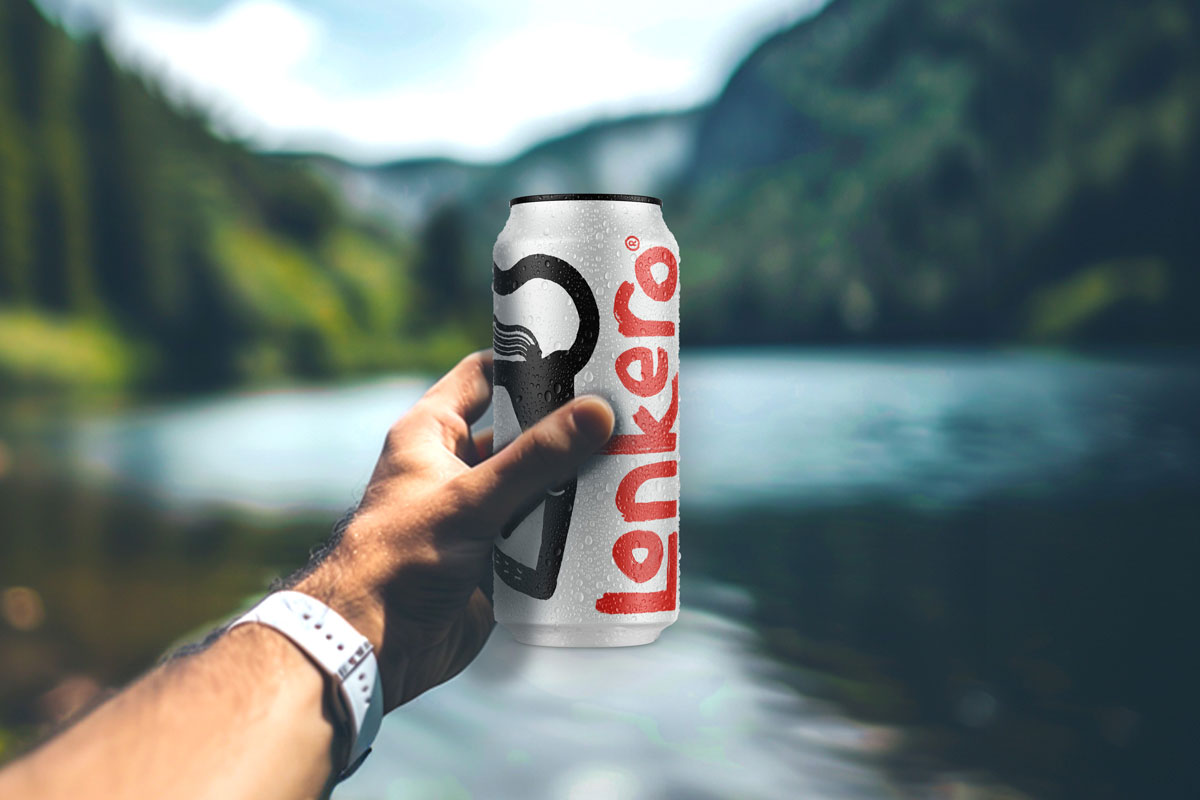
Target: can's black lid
627, 198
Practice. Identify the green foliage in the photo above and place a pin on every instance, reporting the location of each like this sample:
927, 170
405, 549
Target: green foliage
129, 233
895, 170
1064, 309
889, 170
44, 352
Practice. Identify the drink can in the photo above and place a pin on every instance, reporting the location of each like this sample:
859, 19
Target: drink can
586, 301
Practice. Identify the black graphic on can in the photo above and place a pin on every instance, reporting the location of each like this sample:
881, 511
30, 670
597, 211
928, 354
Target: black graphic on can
539, 383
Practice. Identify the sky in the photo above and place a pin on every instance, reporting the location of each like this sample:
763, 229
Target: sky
373, 80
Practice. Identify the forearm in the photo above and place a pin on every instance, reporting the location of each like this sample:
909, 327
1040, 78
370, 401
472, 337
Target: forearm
244, 718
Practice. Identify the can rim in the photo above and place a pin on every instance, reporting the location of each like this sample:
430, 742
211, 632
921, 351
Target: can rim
625, 198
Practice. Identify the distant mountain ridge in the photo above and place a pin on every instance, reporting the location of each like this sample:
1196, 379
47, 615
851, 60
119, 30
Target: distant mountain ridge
891, 170
640, 154
886, 171
455, 209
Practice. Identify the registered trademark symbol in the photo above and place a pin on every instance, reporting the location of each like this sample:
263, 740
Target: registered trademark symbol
632, 242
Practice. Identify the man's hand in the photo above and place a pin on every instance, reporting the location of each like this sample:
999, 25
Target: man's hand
246, 717
409, 565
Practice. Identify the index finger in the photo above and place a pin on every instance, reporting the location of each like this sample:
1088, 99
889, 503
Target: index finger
466, 390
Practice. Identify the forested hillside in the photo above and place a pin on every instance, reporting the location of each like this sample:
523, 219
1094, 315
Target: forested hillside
984, 171
979, 170
138, 250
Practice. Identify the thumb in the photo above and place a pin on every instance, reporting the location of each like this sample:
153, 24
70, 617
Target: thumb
545, 456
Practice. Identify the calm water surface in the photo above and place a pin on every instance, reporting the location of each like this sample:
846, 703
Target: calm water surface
759, 427
702, 713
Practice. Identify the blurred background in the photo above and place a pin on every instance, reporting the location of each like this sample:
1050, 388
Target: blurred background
941, 468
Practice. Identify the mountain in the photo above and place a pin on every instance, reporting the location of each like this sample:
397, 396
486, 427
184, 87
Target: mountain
891, 171
455, 209
404, 193
632, 155
137, 250
894, 170
884, 171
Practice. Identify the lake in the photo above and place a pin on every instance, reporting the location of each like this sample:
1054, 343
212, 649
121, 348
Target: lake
905, 573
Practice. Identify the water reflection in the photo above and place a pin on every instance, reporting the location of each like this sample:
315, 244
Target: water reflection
990, 552
699, 714
768, 427
309, 449
805, 429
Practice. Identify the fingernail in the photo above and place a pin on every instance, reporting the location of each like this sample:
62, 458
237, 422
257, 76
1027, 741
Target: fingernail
593, 418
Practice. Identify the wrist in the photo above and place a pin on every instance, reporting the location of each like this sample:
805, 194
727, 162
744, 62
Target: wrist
355, 695
362, 608
337, 587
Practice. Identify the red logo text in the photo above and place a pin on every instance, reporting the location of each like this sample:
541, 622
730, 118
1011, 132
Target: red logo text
655, 435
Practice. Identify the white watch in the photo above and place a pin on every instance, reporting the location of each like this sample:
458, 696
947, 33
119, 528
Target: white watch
340, 650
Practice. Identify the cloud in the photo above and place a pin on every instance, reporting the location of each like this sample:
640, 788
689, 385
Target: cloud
516, 88
467, 78
241, 63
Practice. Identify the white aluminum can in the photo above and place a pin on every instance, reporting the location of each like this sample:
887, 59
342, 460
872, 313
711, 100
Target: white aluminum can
586, 301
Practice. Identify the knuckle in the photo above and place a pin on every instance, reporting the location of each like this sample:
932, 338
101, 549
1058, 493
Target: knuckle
421, 556
420, 409
480, 363
464, 508
464, 497
466, 367
427, 553
481, 359
460, 496
393, 440
472, 361
547, 446
483, 362
451, 422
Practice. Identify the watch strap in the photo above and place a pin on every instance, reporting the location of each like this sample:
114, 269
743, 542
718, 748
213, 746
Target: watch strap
343, 653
